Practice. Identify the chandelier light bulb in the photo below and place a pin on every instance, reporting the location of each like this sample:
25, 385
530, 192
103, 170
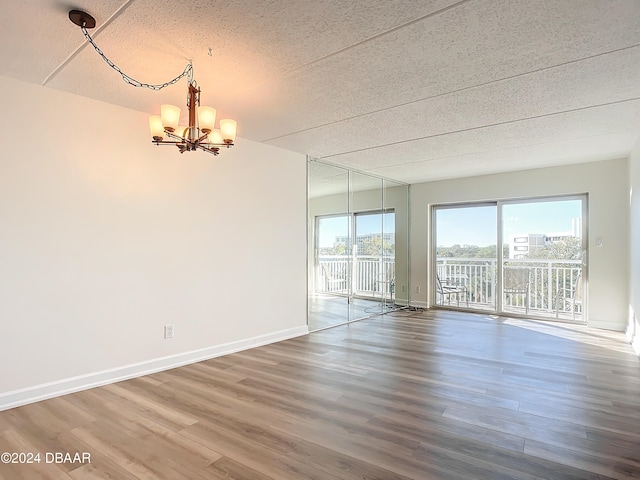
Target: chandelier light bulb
228, 130
182, 131
215, 137
156, 128
206, 118
170, 115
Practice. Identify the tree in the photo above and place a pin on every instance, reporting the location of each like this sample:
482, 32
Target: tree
467, 251
375, 246
567, 248
338, 249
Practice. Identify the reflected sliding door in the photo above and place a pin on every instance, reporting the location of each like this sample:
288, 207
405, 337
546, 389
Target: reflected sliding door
333, 241
358, 258
329, 246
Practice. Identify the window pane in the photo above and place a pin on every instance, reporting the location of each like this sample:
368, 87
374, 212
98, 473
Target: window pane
466, 256
543, 258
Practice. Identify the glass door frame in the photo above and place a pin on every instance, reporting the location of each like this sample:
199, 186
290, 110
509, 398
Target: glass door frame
499, 296
351, 259
349, 251
380, 260
433, 294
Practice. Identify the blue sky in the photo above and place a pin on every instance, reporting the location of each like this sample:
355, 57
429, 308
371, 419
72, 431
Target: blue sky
477, 225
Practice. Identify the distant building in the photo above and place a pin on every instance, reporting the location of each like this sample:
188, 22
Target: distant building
362, 239
522, 244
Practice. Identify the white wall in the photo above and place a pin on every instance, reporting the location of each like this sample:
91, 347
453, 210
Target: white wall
607, 186
105, 238
633, 326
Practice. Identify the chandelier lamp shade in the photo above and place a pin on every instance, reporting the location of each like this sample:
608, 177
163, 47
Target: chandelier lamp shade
200, 133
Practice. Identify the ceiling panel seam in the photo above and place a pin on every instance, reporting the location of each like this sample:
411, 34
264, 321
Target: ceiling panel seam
497, 124
96, 32
453, 92
476, 152
373, 37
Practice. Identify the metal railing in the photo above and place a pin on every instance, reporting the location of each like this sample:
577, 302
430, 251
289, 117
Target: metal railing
371, 276
367, 275
549, 280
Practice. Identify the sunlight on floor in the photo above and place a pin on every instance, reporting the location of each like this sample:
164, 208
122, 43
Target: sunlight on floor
608, 339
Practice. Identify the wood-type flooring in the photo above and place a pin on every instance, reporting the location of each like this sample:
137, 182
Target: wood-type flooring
426, 395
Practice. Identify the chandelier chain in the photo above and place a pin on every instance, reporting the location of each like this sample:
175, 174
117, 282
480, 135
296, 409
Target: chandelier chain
200, 133
188, 70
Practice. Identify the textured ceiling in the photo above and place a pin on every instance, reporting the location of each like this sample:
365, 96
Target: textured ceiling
410, 90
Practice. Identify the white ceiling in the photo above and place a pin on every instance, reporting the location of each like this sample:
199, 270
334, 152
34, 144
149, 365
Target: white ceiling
410, 90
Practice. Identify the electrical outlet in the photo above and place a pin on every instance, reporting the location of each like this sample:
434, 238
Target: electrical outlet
168, 331
599, 242
417, 288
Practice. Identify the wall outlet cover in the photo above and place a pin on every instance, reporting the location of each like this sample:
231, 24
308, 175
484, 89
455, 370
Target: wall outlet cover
168, 331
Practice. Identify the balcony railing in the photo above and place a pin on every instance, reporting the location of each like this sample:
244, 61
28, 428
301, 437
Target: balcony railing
368, 276
549, 282
372, 276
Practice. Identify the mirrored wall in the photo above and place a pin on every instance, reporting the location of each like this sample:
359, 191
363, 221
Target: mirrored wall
358, 262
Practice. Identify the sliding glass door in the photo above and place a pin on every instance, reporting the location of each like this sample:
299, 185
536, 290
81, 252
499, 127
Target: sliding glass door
544, 257
466, 256
538, 271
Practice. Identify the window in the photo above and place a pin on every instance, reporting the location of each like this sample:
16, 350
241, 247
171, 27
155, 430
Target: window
537, 270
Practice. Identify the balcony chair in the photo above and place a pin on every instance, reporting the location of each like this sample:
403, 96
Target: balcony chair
332, 283
571, 297
446, 290
516, 281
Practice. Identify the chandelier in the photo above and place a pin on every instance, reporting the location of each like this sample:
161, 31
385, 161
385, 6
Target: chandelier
200, 133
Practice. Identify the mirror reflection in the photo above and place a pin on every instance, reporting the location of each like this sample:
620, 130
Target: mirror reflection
358, 245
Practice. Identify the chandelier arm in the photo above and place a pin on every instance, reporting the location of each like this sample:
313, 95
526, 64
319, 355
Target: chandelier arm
178, 138
188, 70
168, 142
212, 150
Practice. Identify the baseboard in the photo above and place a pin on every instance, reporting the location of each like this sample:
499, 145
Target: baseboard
604, 325
415, 303
633, 337
633, 331
44, 391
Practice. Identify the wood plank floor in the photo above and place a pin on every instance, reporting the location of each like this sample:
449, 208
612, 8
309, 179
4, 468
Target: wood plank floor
331, 310
429, 395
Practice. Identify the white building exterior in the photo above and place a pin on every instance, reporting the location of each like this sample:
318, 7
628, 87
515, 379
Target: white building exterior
522, 244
